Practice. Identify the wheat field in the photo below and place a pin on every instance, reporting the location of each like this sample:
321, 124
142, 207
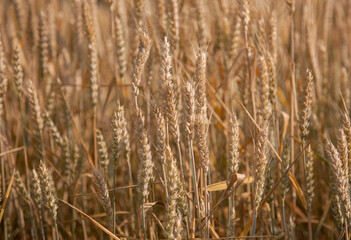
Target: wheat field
175, 119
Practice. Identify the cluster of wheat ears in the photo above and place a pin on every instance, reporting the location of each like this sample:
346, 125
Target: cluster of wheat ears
175, 119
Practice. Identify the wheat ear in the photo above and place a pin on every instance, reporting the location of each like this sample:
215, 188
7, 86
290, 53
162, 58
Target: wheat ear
339, 179
173, 24
169, 105
20, 186
48, 193
232, 153
38, 199
102, 152
121, 46
18, 70
103, 193
43, 46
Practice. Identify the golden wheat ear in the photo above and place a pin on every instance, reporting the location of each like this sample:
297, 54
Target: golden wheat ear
339, 182
167, 92
48, 191
103, 194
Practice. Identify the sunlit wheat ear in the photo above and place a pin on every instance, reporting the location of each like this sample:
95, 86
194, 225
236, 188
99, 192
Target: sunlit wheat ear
173, 24
18, 70
245, 88
139, 66
261, 161
336, 209
245, 14
200, 81
168, 98
120, 46
201, 128
266, 107
143, 55
53, 129
235, 35
232, 147
306, 109
146, 165
35, 107
342, 149
93, 74
336, 201
117, 126
48, 190
50, 101
88, 22
102, 152
93, 63
38, 196
103, 194
177, 199
20, 186
182, 201
339, 179
161, 140
261, 32
172, 176
189, 109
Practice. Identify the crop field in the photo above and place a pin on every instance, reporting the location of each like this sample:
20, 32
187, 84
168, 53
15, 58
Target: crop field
175, 119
